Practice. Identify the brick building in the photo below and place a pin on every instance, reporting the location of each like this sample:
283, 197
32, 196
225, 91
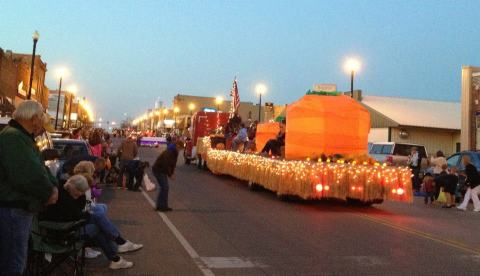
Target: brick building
15, 79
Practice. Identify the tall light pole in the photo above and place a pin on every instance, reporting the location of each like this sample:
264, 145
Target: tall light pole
352, 65
35, 37
191, 107
175, 112
62, 72
218, 101
260, 89
73, 89
165, 113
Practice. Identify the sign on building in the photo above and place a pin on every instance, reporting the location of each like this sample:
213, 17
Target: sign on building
470, 134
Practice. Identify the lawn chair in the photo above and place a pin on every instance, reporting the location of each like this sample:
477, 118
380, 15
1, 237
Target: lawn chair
56, 245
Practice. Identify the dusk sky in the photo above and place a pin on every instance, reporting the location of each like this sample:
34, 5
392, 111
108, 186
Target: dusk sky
125, 54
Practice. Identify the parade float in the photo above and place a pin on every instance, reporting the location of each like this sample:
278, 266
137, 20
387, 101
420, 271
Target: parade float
325, 155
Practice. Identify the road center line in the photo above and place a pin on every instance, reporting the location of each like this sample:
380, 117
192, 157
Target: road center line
193, 254
421, 234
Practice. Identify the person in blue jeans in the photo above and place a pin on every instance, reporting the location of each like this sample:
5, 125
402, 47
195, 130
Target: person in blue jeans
70, 207
26, 186
164, 168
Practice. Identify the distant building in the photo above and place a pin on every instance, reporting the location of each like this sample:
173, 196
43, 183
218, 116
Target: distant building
435, 124
66, 98
15, 79
247, 110
470, 108
8, 79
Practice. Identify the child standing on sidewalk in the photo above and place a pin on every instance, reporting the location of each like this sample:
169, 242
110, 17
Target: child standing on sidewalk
428, 187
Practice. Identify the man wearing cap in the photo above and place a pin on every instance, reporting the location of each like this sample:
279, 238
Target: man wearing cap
26, 186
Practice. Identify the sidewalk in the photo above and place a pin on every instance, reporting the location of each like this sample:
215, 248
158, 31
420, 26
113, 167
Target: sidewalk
162, 254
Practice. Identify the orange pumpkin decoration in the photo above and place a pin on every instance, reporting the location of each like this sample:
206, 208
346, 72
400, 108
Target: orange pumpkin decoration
326, 124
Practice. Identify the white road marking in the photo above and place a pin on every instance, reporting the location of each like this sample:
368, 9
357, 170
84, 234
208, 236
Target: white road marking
230, 262
193, 254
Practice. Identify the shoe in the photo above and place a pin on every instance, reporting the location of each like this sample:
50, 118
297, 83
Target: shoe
167, 209
462, 209
122, 263
129, 247
476, 210
91, 254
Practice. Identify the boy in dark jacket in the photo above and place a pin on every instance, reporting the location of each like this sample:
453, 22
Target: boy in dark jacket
163, 169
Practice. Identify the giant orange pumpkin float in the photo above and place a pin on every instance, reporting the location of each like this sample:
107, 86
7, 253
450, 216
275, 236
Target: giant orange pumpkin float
326, 124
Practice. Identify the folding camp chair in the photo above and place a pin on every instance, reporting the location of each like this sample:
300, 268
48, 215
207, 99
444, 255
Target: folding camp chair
56, 245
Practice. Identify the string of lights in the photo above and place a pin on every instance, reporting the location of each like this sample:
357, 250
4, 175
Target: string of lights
311, 179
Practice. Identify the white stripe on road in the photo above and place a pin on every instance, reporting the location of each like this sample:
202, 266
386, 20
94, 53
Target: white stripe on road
193, 254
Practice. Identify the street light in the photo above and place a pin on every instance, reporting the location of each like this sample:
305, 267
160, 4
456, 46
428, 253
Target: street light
191, 107
73, 89
35, 38
176, 109
352, 65
218, 101
260, 89
61, 73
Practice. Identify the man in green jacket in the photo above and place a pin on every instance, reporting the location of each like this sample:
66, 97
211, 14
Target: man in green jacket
26, 185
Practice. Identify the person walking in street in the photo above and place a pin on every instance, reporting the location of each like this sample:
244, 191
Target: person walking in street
164, 168
26, 186
414, 163
473, 183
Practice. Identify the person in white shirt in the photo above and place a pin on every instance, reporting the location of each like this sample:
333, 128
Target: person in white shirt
414, 162
438, 162
241, 138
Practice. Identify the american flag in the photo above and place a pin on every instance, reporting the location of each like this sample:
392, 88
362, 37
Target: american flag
235, 105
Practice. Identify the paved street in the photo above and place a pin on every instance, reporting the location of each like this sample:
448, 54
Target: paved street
220, 227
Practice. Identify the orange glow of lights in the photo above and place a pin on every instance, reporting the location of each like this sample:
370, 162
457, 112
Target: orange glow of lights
394, 191
319, 187
400, 191
327, 188
353, 188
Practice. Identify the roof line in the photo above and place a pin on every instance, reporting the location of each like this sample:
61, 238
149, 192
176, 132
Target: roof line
412, 99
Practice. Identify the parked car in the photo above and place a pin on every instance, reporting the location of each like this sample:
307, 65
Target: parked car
396, 154
455, 160
71, 147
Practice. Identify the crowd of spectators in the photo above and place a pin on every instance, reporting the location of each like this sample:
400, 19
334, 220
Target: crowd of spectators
28, 189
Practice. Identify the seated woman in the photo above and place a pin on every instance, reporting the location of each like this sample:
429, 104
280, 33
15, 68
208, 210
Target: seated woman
98, 213
70, 207
274, 146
